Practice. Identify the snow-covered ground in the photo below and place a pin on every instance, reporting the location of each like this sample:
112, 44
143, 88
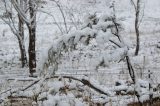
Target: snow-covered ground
103, 78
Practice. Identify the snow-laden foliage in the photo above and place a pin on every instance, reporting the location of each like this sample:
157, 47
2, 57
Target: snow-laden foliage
96, 34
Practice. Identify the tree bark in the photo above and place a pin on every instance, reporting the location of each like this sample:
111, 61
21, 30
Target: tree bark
21, 36
21, 42
23, 53
137, 27
32, 39
131, 70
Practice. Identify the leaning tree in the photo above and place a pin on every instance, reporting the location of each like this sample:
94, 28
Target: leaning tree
104, 30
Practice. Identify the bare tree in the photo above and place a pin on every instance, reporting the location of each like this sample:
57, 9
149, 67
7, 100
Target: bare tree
21, 31
137, 7
17, 30
32, 37
30, 21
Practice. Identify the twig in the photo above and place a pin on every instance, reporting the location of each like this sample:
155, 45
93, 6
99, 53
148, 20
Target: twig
5, 91
63, 15
35, 82
59, 27
115, 43
134, 5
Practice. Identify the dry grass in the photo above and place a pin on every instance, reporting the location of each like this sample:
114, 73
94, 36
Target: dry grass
19, 101
156, 102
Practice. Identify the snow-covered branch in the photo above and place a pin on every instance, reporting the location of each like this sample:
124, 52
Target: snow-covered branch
98, 28
20, 11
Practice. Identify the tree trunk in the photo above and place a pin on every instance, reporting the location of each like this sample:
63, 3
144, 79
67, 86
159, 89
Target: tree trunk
32, 39
23, 53
137, 27
31, 50
21, 42
137, 33
21, 37
131, 70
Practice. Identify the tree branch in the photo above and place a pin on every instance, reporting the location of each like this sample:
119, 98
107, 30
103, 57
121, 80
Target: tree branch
134, 5
18, 9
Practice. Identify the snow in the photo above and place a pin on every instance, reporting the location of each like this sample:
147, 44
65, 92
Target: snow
103, 37
142, 87
84, 60
55, 86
